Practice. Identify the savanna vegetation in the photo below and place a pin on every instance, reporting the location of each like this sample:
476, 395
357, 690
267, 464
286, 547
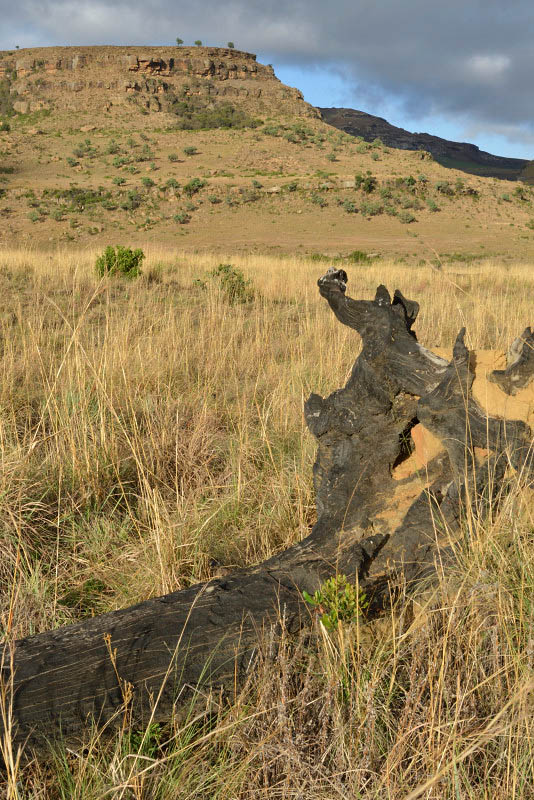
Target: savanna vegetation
152, 437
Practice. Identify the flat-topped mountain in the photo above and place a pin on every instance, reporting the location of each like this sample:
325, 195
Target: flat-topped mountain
145, 79
459, 155
206, 147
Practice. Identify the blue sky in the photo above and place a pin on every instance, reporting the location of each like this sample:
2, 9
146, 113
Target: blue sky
327, 87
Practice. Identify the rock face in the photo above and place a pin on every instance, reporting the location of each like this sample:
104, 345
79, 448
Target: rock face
359, 123
99, 78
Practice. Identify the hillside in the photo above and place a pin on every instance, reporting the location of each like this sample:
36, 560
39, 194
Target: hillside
205, 146
458, 155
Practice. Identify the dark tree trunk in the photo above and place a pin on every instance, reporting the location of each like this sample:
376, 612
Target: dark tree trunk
369, 523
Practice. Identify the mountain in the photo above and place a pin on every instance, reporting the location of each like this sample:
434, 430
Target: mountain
458, 155
199, 148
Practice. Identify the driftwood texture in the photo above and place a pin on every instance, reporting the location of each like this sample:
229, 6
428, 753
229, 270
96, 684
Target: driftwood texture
378, 517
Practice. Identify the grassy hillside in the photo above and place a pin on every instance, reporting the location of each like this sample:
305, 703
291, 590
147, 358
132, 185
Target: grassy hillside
289, 185
152, 436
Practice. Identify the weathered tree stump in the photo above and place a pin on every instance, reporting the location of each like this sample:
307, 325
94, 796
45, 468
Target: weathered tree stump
404, 452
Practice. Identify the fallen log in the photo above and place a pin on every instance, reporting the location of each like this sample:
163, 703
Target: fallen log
387, 508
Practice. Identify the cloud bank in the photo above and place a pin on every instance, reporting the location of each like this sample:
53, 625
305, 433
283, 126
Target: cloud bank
469, 59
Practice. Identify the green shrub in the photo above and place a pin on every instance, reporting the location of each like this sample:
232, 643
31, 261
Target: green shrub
34, 216
338, 601
213, 199
72, 161
190, 151
359, 257
182, 218
120, 261
444, 187
349, 206
432, 205
233, 284
406, 217
119, 180
369, 209
172, 183
174, 157
194, 186
148, 183
5, 126
318, 200
131, 201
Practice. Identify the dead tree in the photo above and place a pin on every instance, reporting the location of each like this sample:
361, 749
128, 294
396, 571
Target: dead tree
370, 523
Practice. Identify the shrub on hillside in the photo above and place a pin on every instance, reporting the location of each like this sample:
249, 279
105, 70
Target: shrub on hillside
232, 283
120, 261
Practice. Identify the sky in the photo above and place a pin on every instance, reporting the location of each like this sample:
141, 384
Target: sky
462, 69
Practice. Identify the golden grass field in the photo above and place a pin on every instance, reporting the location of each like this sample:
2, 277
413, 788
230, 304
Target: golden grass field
152, 436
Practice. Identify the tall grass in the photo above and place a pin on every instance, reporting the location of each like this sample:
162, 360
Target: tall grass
151, 436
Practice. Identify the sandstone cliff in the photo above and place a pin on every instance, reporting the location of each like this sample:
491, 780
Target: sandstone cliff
103, 78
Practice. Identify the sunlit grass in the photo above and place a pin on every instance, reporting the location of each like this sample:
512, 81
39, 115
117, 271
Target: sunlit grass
152, 436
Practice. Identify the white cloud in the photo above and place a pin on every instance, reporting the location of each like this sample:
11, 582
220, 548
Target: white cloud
488, 68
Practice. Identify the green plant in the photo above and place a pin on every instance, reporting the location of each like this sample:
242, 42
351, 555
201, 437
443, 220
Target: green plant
318, 200
190, 151
194, 186
120, 261
406, 217
198, 42
72, 161
338, 601
331, 156
182, 218
5, 126
359, 257
173, 157
148, 183
233, 284
179, 41
112, 148
349, 206
119, 180
231, 45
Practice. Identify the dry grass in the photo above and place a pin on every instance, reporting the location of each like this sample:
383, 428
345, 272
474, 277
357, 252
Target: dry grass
151, 434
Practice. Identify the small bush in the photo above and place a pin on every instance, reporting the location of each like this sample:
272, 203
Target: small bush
148, 183
182, 218
318, 200
120, 261
5, 126
233, 284
213, 199
349, 207
190, 151
338, 601
359, 257
406, 217
118, 180
194, 186
174, 157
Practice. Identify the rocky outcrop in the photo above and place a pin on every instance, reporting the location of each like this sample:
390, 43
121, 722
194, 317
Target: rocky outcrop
98, 78
359, 123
